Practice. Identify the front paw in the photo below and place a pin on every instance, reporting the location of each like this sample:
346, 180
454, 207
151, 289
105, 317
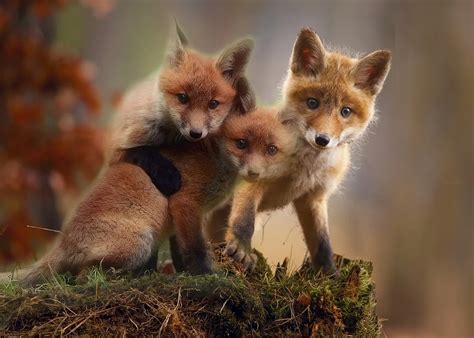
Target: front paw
328, 268
162, 172
323, 258
165, 176
200, 268
241, 252
198, 264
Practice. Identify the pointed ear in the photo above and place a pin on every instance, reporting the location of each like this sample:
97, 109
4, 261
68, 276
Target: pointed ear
308, 55
177, 43
233, 60
244, 100
370, 72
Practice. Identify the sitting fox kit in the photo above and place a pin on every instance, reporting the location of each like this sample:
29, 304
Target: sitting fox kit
332, 97
121, 220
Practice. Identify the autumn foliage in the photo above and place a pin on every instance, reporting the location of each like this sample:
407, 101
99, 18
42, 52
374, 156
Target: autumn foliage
49, 141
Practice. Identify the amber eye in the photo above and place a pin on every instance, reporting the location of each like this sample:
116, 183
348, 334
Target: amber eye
272, 150
183, 98
312, 103
213, 104
346, 112
241, 144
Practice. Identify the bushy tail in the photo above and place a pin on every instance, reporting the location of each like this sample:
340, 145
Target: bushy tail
49, 264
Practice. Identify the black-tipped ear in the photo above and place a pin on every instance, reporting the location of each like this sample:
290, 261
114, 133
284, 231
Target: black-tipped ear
370, 72
244, 100
233, 60
178, 42
308, 55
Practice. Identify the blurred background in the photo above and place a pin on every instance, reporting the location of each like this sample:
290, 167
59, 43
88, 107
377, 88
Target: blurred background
407, 205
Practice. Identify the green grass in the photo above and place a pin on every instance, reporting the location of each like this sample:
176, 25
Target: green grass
228, 303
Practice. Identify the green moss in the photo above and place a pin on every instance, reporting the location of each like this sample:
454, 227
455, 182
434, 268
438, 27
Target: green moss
228, 303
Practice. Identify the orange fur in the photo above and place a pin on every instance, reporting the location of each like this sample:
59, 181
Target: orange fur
207, 184
335, 81
116, 225
152, 112
123, 217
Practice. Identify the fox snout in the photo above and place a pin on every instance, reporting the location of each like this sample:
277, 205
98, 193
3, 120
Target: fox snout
253, 175
194, 134
194, 127
249, 174
320, 139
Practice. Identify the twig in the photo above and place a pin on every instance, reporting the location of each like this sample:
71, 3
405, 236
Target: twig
289, 233
263, 227
40, 228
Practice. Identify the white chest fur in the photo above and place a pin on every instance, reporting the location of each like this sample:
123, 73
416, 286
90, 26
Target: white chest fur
312, 170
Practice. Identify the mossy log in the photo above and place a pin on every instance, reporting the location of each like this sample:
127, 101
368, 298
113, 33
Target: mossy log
228, 303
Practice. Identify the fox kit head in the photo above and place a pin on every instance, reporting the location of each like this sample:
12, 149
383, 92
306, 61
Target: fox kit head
199, 91
259, 143
332, 94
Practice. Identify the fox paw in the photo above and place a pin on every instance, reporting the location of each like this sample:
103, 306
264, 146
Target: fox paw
200, 268
166, 178
239, 253
164, 175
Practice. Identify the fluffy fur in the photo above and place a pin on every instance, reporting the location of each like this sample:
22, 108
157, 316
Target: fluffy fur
189, 97
151, 112
336, 81
124, 216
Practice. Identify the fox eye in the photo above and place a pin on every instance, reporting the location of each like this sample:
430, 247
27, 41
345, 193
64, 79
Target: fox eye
241, 143
272, 150
213, 104
312, 103
346, 112
183, 98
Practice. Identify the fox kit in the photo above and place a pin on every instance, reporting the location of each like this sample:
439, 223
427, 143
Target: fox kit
119, 222
332, 96
189, 97
255, 146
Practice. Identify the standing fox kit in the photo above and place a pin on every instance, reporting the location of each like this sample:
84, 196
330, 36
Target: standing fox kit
332, 97
189, 97
210, 170
119, 222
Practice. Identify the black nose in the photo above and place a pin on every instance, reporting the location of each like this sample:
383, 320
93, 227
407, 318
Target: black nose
253, 174
322, 140
195, 133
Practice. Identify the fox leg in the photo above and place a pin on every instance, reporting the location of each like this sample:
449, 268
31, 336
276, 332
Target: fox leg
151, 263
187, 220
176, 255
216, 225
242, 226
312, 213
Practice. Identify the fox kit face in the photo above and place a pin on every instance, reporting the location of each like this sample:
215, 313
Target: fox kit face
259, 144
332, 94
199, 91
